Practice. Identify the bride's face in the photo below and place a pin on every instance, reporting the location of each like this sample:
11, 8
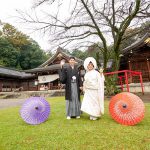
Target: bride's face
90, 66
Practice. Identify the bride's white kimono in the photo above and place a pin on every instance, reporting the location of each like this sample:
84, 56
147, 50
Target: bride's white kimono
93, 100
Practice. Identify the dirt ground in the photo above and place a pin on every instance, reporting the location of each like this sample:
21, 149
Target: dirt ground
145, 97
7, 103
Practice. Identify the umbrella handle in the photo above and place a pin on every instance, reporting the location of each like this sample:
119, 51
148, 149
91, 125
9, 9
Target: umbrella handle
36, 108
124, 105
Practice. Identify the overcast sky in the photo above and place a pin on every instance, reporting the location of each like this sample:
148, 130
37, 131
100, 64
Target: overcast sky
8, 9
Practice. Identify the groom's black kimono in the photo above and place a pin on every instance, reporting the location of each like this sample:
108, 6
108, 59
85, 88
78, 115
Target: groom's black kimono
72, 91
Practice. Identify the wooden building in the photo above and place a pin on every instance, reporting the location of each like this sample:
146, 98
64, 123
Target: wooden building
14, 80
47, 74
44, 77
136, 57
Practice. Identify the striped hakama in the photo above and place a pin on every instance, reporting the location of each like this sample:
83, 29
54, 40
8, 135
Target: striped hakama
73, 106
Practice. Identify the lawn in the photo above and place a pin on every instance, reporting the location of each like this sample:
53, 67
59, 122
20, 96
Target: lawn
58, 133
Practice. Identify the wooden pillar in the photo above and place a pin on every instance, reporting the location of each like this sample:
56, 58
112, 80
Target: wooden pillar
148, 67
11, 85
130, 68
37, 87
36, 82
1, 86
49, 86
129, 63
28, 85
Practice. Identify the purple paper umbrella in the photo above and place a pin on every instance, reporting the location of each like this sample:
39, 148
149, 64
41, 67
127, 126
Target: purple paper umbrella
35, 110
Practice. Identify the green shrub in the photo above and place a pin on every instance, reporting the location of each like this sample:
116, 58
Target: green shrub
111, 86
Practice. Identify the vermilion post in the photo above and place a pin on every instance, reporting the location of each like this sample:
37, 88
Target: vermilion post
141, 81
120, 78
126, 80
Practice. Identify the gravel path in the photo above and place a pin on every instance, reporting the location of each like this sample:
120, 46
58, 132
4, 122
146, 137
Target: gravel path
7, 103
145, 97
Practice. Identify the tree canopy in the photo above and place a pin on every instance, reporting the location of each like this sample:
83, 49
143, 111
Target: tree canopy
8, 54
18, 50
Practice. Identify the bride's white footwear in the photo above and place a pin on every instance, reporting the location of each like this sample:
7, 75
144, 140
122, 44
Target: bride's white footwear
95, 118
91, 118
68, 117
78, 117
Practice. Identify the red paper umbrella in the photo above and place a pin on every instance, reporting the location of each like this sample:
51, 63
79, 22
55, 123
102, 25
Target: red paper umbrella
126, 108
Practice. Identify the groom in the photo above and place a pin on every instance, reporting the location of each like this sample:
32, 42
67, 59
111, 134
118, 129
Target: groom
70, 76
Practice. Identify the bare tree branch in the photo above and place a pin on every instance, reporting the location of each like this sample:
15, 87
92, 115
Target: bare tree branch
98, 20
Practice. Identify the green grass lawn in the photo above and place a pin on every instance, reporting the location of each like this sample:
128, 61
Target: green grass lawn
58, 133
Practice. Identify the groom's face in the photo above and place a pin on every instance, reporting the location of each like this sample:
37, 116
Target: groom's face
72, 62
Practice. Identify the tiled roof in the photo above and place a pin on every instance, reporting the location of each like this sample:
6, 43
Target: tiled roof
59, 51
139, 43
4, 71
47, 68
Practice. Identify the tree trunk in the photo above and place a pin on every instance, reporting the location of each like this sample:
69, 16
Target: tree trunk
116, 63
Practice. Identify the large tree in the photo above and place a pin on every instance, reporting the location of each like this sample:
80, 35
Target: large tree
8, 54
18, 50
89, 22
31, 56
15, 37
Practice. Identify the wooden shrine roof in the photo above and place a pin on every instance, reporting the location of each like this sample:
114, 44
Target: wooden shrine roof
145, 40
46, 69
8, 72
58, 53
50, 65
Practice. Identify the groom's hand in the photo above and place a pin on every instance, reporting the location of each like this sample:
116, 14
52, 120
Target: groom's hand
81, 88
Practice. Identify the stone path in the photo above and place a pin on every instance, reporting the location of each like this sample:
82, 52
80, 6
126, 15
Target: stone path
145, 97
7, 103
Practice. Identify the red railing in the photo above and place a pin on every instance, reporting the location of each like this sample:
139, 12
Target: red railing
126, 74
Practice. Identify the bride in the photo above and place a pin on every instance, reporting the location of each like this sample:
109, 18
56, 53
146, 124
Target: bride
93, 100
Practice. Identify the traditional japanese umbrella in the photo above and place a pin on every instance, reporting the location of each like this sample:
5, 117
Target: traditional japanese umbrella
35, 110
126, 108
